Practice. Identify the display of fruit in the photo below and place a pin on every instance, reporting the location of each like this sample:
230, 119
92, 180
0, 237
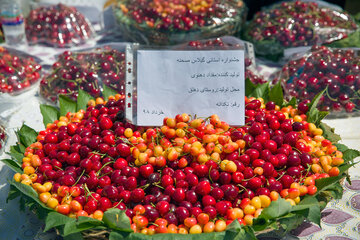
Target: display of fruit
57, 25
295, 24
171, 22
191, 175
226, 43
17, 71
338, 70
88, 71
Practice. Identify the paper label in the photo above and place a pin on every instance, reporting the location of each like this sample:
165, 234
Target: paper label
193, 82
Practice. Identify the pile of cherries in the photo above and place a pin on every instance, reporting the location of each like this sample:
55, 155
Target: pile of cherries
224, 44
187, 176
57, 25
87, 71
17, 73
298, 23
338, 70
182, 16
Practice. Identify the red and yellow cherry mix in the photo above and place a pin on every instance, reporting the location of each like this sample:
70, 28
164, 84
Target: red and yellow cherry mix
191, 175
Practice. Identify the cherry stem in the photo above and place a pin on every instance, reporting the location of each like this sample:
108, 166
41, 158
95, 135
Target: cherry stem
79, 178
210, 175
280, 176
156, 184
328, 95
97, 173
307, 171
87, 190
244, 188
118, 203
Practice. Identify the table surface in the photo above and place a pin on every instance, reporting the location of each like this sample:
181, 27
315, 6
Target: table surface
340, 219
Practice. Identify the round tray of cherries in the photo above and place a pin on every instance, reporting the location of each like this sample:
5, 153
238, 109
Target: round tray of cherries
296, 24
18, 71
93, 176
336, 70
90, 71
171, 22
58, 25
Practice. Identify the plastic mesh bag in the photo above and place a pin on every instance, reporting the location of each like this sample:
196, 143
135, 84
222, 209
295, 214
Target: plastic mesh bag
296, 24
338, 70
88, 70
58, 26
167, 22
18, 71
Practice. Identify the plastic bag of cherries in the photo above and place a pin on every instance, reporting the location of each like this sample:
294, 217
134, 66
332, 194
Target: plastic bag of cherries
168, 22
88, 70
226, 43
58, 25
336, 70
18, 71
296, 24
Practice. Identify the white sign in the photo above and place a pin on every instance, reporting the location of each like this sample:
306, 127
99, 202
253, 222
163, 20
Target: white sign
193, 82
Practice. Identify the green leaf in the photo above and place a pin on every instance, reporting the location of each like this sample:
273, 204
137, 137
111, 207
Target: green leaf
115, 235
17, 149
292, 102
71, 227
82, 100
49, 113
15, 166
261, 91
309, 208
17, 156
107, 92
329, 133
271, 214
241, 232
87, 220
26, 135
276, 94
66, 105
320, 117
249, 86
313, 113
350, 155
335, 191
276, 209
341, 147
55, 219
74, 236
117, 219
28, 191
290, 222
13, 193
